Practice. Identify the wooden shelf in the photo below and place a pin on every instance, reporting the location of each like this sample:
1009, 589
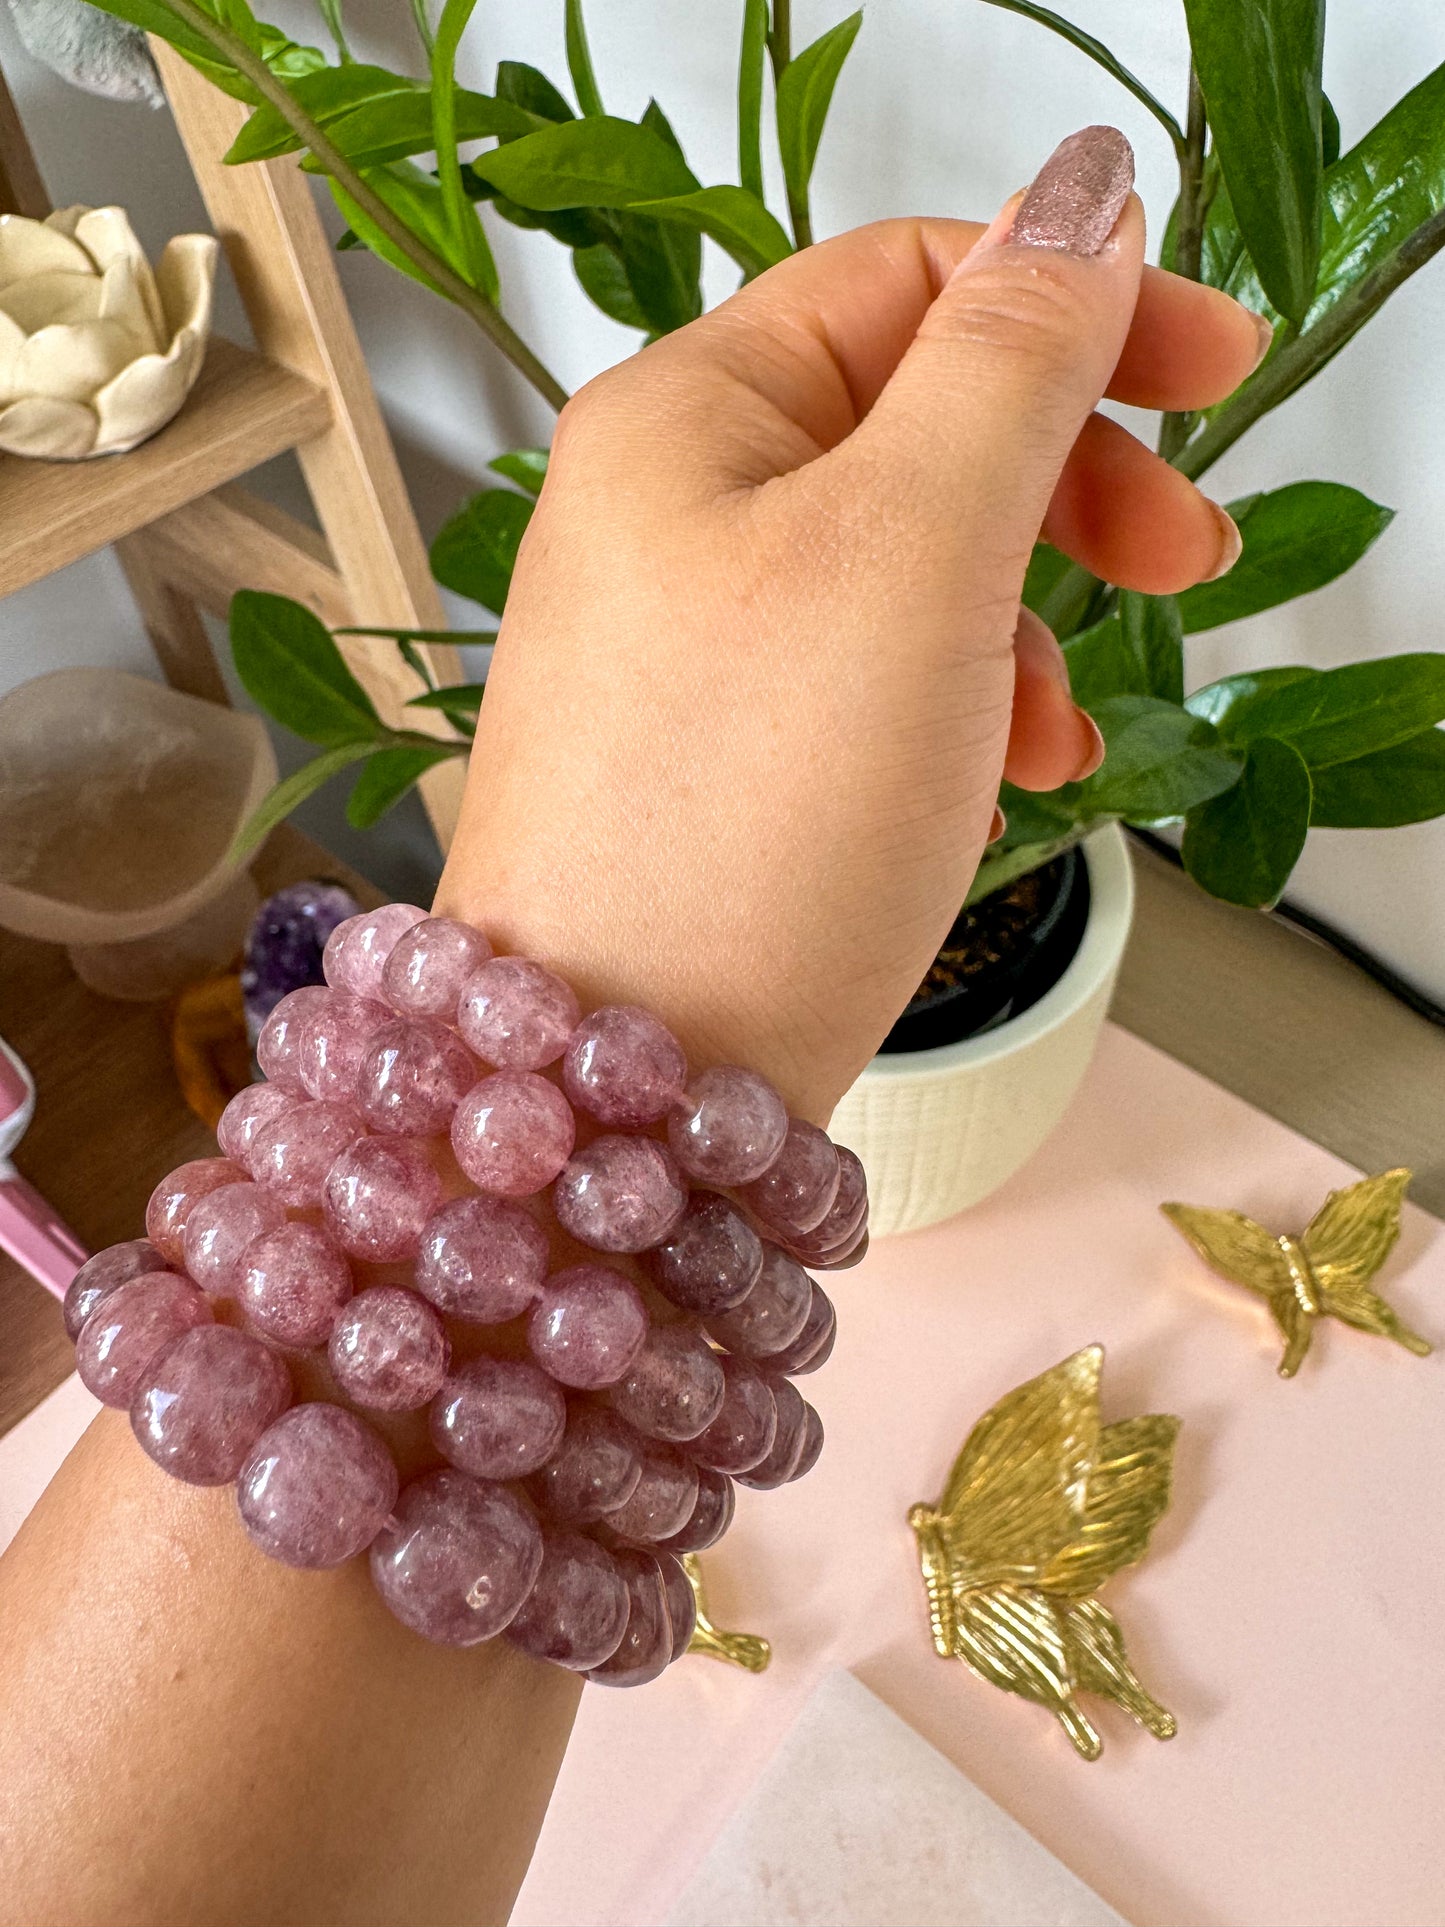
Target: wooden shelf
242, 411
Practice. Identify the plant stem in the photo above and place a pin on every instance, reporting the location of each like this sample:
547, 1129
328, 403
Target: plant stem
331, 14
472, 303
423, 26
1174, 430
780, 53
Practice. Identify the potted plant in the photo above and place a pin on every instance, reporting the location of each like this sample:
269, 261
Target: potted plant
988, 1053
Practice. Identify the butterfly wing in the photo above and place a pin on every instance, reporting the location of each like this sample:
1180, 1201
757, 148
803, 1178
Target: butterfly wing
1125, 1495
1234, 1246
1016, 1489
1353, 1232
1015, 1639
1367, 1311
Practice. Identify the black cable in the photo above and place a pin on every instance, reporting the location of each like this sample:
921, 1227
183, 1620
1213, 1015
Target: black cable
1325, 933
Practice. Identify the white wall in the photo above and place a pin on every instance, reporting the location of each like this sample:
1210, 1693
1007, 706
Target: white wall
946, 108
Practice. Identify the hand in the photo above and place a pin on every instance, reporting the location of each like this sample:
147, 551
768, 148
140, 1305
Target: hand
763, 662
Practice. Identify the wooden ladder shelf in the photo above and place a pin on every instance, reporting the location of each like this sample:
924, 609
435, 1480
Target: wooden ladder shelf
187, 535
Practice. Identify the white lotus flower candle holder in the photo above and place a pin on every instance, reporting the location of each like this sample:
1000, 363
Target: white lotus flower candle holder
96, 352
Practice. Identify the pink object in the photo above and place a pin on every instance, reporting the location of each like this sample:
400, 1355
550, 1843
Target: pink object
334, 1037
673, 1388
813, 1345
34, 1234
512, 1133
458, 1558
205, 1401
587, 1326
498, 1418
796, 1193
517, 1015
593, 1471
576, 1612
129, 1327
624, 1067
278, 1048
293, 1283
293, 1152
482, 1259
389, 1350
378, 1195
731, 1128
171, 1201
428, 965
710, 1261
774, 1312
742, 1434
413, 1074
790, 1435
356, 952
846, 1219
681, 1601
663, 1501
711, 1515
100, 1275
246, 1113
646, 1646
317, 1488
620, 1194
220, 1226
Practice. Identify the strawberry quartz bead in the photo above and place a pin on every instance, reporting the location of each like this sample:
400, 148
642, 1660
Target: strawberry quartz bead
378, 1196
620, 1194
812, 1444
846, 1218
99, 1276
317, 1488
293, 1283
791, 1410
646, 1647
813, 1346
712, 1514
516, 1015
576, 1612
171, 1201
389, 1351
278, 1048
741, 1436
593, 1471
482, 1259
774, 1311
712, 1259
413, 1075
130, 1327
797, 1192
498, 1418
587, 1326
333, 1042
292, 1153
244, 1116
220, 1226
512, 1134
205, 1401
729, 1128
663, 1500
429, 964
624, 1067
457, 1559
356, 952
674, 1387
681, 1601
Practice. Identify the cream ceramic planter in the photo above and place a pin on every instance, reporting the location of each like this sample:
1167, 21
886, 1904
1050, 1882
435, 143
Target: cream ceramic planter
938, 1130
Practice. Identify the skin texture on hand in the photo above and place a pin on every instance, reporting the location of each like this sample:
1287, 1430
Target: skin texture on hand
762, 667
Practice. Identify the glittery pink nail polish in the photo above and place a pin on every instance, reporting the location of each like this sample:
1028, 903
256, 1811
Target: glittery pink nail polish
1078, 193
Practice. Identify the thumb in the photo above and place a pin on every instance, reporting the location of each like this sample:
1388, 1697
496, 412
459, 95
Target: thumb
973, 427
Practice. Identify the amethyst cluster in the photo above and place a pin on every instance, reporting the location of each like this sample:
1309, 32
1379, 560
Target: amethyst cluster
579, 1267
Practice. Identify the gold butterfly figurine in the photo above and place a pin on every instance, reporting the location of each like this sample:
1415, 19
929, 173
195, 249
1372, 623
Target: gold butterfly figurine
1041, 1507
748, 1650
1322, 1273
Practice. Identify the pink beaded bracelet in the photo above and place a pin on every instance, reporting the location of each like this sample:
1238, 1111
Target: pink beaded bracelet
445, 1146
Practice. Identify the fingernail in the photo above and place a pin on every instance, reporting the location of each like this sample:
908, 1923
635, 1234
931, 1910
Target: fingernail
998, 825
1078, 193
1264, 327
1094, 754
1231, 544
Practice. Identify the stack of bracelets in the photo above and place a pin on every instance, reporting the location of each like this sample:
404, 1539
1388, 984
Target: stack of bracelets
410, 1178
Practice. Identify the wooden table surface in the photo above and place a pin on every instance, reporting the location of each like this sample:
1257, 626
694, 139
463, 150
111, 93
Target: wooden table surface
1249, 1002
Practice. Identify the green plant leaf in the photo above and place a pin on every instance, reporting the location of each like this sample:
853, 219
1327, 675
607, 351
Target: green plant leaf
1152, 636
1100, 54
1330, 715
1404, 784
286, 58
475, 552
1159, 762
529, 88
587, 163
751, 59
663, 260
732, 217
415, 197
579, 61
400, 126
389, 774
1102, 665
292, 791
604, 281
527, 467
805, 93
1047, 569
327, 96
1243, 843
1296, 539
460, 637
1259, 63
289, 665
459, 702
